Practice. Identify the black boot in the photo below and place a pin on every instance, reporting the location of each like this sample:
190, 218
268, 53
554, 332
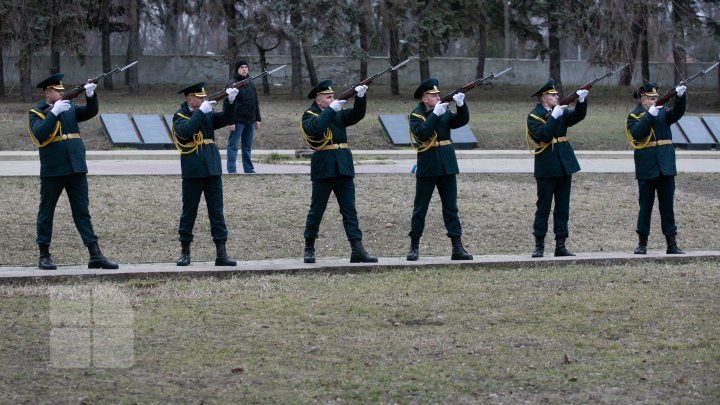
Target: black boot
641, 248
309, 254
672, 247
539, 246
413, 254
45, 261
184, 259
458, 251
359, 254
97, 260
222, 258
560, 249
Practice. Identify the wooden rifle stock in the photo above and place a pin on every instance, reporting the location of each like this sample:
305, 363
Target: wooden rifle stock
221, 94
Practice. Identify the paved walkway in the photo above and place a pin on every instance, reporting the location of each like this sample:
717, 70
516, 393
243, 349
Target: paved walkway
9, 274
134, 162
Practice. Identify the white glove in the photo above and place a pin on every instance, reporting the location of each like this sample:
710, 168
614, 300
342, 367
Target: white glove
360, 90
680, 90
654, 110
558, 111
90, 89
232, 92
60, 107
440, 109
459, 99
337, 105
207, 106
581, 95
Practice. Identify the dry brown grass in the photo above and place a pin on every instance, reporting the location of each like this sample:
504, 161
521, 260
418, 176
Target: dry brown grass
136, 218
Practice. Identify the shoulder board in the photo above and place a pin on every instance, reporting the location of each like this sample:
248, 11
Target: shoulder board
39, 114
537, 118
312, 113
637, 117
416, 115
183, 116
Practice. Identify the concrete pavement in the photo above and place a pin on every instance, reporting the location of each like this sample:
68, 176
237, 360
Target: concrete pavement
138, 162
14, 274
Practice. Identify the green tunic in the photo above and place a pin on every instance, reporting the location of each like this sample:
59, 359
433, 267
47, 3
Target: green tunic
436, 167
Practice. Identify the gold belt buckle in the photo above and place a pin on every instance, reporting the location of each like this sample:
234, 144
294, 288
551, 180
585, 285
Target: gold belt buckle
64, 136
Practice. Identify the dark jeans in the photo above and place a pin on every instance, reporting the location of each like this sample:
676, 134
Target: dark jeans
549, 188
664, 186
243, 133
192, 189
76, 187
447, 188
344, 189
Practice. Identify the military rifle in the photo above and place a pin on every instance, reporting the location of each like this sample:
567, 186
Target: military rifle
464, 89
672, 93
351, 91
587, 86
221, 94
81, 88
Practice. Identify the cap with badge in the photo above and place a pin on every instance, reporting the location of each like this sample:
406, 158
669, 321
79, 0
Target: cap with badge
196, 90
429, 86
321, 88
547, 88
52, 82
647, 89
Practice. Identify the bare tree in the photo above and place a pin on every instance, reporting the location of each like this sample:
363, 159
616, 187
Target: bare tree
133, 50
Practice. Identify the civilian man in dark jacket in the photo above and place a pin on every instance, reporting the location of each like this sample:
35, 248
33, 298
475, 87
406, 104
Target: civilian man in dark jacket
194, 127
247, 120
555, 163
649, 126
63, 167
430, 124
331, 166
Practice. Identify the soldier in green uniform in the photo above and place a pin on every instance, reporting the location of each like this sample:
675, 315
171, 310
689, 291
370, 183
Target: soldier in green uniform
194, 127
53, 126
649, 128
430, 124
555, 163
331, 167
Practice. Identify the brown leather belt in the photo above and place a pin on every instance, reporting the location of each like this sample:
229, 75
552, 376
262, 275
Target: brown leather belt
63, 137
555, 140
659, 143
435, 144
192, 144
333, 146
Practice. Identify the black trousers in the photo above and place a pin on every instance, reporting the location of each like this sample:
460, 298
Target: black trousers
664, 186
344, 189
76, 187
549, 188
447, 188
192, 189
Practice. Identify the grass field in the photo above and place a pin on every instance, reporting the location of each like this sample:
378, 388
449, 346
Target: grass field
627, 334
136, 217
497, 117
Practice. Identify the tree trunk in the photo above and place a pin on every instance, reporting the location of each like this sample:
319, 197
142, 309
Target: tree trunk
554, 53
645, 52
133, 51
636, 30
263, 67
2, 72
678, 39
105, 46
24, 66
394, 46
307, 51
481, 47
54, 59
232, 41
296, 59
364, 33
506, 28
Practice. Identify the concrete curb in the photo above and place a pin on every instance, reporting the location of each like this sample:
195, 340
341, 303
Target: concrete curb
69, 274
